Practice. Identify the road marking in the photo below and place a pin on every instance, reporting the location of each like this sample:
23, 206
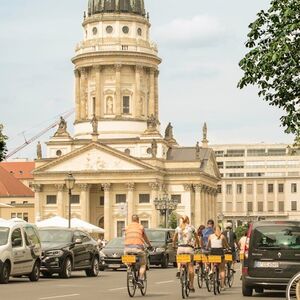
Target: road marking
118, 289
62, 296
164, 282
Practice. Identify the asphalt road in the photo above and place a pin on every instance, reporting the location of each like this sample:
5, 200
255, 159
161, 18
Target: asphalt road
111, 285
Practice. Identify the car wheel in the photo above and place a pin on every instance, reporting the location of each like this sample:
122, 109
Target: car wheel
46, 274
247, 290
35, 274
5, 273
165, 262
94, 271
66, 271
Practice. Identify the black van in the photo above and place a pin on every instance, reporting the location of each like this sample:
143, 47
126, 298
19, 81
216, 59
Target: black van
272, 256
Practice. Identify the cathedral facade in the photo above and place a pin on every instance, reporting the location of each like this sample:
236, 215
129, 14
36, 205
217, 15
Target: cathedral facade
117, 154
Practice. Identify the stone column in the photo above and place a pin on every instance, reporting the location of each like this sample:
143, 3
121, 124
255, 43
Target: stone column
130, 201
85, 201
203, 205
214, 204
224, 197
99, 99
77, 94
234, 186
198, 205
156, 95
83, 93
265, 197
38, 204
276, 204
60, 199
154, 194
151, 108
108, 222
255, 197
119, 104
138, 103
210, 204
188, 190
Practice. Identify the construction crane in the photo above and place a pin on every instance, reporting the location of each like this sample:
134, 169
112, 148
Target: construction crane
27, 142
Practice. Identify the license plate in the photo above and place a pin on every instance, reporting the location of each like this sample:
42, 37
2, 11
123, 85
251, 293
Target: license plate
228, 257
128, 259
114, 266
242, 256
266, 264
215, 259
183, 258
198, 257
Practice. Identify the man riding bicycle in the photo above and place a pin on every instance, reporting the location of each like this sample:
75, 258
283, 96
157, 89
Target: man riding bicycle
135, 240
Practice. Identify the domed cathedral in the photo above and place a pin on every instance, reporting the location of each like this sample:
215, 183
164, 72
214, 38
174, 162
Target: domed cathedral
121, 162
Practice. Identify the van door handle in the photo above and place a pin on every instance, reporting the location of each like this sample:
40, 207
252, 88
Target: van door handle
257, 254
278, 270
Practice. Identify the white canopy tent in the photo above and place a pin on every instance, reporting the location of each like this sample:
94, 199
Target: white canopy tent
17, 220
80, 224
53, 222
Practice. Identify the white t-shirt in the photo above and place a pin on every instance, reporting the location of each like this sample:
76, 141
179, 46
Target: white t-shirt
242, 243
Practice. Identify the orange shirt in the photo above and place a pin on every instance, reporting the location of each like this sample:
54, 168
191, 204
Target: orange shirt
134, 234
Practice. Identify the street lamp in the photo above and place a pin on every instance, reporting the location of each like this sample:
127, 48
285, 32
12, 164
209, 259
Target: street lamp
165, 206
70, 182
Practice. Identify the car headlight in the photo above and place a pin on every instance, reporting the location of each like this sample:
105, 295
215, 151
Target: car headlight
102, 254
160, 250
55, 253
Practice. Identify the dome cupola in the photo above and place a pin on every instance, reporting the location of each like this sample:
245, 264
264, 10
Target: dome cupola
116, 6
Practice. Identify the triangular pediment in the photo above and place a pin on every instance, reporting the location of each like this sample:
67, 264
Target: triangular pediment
95, 158
211, 166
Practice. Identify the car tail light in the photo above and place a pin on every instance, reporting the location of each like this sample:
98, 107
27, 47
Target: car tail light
245, 271
246, 252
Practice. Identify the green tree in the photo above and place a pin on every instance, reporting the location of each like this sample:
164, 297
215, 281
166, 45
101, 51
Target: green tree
240, 231
3, 139
272, 62
173, 220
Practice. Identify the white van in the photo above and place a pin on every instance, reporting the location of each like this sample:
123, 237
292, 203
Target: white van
20, 251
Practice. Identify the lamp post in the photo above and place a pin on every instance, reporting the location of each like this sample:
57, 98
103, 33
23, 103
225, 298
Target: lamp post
165, 206
70, 182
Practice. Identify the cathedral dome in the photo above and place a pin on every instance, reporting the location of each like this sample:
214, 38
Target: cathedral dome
116, 6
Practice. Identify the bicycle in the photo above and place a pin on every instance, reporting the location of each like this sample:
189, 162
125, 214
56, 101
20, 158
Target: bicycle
202, 271
216, 260
229, 272
293, 288
132, 260
184, 260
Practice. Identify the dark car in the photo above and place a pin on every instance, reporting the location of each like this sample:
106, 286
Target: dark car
67, 250
272, 256
111, 255
162, 242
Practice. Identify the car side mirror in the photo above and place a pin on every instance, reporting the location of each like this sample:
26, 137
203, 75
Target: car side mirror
17, 242
78, 241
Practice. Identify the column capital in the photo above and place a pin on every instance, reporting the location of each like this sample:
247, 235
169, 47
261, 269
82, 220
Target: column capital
130, 186
163, 187
198, 187
37, 187
156, 73
98, 68
60, 187
118, 67
84, 71
139, 68
152, 71
106, 186
188, 187
84, 186
77, 73
154, 186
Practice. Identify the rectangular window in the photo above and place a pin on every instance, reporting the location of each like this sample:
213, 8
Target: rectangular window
176, 198
260, 189
126, 105
280, 188
277, 152
239, 188
120, 228
75, 199
220, 164
20, 215
294, 205
25, 217
281, 206
249, 189
13, 202
270, 206
235, 153
219, 153
51, 200
219, 188
13, 215
101, 201
250, 206
270, 188
256, 152
25, 202
145, 223
234, 165
144, 198
260, 206
294, 187
228, 189
121, 198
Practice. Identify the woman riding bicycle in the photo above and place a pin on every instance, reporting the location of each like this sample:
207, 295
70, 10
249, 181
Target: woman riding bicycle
186, 236
217, 243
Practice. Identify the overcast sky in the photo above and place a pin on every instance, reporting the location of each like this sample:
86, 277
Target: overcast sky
200, 42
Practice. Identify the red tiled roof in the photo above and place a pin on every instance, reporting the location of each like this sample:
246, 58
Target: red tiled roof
11, 186
21, 170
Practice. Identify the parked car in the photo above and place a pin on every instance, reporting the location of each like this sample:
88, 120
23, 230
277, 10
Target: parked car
272, 256
162, 242
111, 255
20, 251
67, 250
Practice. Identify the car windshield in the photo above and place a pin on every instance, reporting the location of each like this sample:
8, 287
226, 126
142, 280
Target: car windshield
55, 236
156, 235
4, 231
115, 243
282, 237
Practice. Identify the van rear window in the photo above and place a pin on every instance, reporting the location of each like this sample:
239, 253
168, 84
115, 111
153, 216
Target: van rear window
4, 231
276, 237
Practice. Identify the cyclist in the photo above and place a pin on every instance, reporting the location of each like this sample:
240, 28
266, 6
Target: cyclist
231, 240
135, 240
200, 234
217, 244
207, 232
186, 236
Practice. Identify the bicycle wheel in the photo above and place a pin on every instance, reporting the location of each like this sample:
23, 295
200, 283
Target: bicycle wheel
200, 276
131, 284
184, 282
208, 281
187, 282
230, 277
216, 281
143, 289
293, 288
